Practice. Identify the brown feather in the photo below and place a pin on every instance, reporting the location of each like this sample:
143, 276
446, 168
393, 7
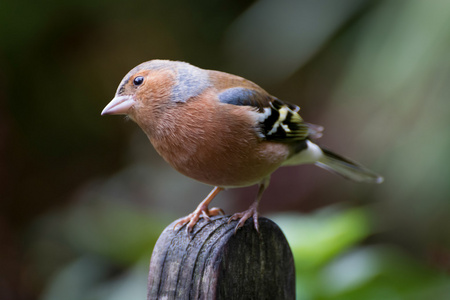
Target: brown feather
216, 144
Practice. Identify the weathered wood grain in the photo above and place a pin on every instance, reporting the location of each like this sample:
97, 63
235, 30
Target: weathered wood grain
216, 263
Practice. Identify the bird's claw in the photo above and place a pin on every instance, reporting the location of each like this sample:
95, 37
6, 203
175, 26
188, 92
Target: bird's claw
192, 219
215, 211
244, 216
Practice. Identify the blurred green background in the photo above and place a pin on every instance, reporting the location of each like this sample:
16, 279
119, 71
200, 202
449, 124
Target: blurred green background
84, 197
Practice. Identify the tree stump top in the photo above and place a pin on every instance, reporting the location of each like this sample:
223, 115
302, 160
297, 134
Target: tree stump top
215, 263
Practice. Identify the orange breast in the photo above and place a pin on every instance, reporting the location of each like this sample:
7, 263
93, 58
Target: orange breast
216, 144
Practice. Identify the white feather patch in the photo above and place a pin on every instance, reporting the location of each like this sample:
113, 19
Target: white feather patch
263, 116
308, 156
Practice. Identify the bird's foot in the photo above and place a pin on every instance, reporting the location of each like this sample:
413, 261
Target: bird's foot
244, 216
200, 211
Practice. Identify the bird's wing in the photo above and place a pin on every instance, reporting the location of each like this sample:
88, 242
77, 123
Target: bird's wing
280, 121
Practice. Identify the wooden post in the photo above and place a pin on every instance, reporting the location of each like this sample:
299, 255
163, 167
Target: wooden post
216, 263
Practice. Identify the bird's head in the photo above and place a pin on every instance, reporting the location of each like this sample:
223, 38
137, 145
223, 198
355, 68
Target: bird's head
153, 86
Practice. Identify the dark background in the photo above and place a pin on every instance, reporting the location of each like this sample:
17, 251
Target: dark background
84, 197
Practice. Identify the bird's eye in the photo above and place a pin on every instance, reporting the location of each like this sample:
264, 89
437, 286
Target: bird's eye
138, 80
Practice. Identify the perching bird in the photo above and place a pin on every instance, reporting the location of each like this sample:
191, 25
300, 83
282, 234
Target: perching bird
222, 130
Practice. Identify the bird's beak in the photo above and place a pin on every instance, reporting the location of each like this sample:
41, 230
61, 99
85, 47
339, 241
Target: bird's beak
119, 105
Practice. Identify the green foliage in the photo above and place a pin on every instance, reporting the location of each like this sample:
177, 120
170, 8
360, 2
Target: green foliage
315, 239
330, 264
110, 245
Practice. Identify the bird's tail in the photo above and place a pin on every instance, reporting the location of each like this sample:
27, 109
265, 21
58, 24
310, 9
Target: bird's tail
347, 168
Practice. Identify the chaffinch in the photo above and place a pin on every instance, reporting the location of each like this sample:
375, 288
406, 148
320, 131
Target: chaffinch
222, 130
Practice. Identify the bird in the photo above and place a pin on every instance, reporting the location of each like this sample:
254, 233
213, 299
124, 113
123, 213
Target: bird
222, 130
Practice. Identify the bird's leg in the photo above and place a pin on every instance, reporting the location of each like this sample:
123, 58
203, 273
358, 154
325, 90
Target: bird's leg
202, 210
252, 211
